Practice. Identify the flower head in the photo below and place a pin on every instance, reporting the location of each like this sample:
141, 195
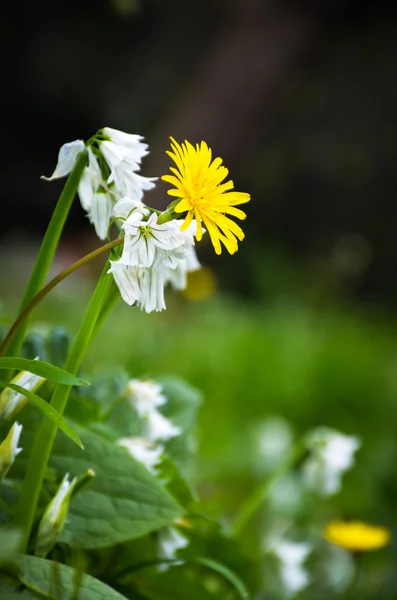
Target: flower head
197, 182
357, 536
143, 451
292, 556
332, 455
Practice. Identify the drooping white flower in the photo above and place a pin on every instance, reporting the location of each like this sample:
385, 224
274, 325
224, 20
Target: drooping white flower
158, 427
9, 449
169, 542
151, 283
54, 517
11, 402
143, 451
144, 395
67, 156
128, 183
292, 555
126, 279
332, 455
177, 276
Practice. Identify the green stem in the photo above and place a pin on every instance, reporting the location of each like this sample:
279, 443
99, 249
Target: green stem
45, 436
50, 285
254, 502
49, 245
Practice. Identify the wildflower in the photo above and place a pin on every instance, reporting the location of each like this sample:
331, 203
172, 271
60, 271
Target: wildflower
113, 159
9, 449
54, 517
144, 239
169, 542
145, 395
332, 455
158, 427
199, 285
11, 402
143, 451
198, 186
357, 536
66, 159
292, 555
153, 256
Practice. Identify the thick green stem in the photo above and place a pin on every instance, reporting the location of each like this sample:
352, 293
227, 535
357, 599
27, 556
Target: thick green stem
45, 436
50, 285
49, 246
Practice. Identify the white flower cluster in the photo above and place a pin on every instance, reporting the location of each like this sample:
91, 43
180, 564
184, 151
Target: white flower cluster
291, 556
145, 397
332, 453
111, 189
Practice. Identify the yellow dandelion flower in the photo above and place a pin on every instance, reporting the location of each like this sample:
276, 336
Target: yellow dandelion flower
201, 285
198, 184
357, 536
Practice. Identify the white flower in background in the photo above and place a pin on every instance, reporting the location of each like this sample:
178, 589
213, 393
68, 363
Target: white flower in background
158, 427
143, 451
54, 517
144, 395
9, 449
66, 159
11, 402
177, 276
292, 556
332, 453
273, 439
169, 542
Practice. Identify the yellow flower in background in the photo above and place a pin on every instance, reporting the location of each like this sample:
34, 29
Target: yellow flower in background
357, 536
198, 184
201, 285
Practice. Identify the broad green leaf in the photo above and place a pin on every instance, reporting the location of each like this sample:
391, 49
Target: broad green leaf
123, 502
10, 539
47, 409
177, 485
58, 581
8, 592
43, 369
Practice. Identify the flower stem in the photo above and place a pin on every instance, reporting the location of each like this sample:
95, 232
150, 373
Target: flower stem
254, 502
49, 245
40, 454
50, 285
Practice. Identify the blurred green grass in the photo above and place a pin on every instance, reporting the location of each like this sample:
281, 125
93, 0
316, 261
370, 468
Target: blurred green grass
312, 366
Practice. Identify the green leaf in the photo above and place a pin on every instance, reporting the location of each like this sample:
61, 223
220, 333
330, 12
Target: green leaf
10, 539
13, 593
123, 502
58, 581
172, 584
47, 409
43, 369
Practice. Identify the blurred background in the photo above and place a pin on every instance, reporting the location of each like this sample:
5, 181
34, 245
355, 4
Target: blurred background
300, 100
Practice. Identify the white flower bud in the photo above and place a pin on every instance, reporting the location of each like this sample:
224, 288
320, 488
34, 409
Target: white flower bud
9, 449
142, 451
11, 402
54, 517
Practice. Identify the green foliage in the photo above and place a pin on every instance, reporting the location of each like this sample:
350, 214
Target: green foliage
37, 367
60, 582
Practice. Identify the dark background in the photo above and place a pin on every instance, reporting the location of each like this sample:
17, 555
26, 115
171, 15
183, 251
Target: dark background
299, 98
